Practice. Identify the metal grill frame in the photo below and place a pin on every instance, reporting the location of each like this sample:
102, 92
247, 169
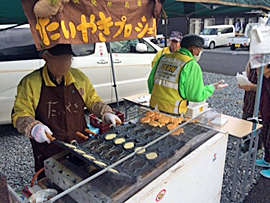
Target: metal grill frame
192, 142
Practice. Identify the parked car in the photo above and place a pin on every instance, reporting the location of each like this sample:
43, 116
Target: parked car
244, 40
239, 42
132, 61
217, 35
158, 39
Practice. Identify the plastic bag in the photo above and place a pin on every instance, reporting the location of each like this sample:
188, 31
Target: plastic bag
242, 79
259, 60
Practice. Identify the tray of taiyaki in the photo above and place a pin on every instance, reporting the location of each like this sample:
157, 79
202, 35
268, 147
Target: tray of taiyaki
148, 158
136, 166
84, 154
163, 123
136, 134
130, 136
105, 153
94, 152
120, 142
160, 152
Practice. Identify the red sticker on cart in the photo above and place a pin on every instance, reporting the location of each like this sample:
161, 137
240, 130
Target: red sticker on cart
160, 195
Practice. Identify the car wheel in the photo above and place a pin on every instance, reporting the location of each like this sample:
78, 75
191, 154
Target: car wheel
233, 47
212, 45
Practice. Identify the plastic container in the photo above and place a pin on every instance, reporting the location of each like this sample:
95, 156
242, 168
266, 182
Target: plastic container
194, 109
42, 195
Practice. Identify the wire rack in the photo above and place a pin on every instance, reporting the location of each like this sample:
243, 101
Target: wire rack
197, 132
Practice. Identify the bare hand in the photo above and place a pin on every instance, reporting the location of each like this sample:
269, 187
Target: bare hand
220, 85
248, 88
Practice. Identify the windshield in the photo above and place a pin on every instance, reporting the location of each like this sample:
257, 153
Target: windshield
209, 31
18, 44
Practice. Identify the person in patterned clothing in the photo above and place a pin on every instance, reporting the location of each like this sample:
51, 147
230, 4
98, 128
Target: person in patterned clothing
249, 98
265, 114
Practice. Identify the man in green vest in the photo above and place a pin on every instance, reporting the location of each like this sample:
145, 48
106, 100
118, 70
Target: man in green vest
175, 40
177, 78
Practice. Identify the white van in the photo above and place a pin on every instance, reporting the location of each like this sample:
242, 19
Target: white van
217, 35
132, 61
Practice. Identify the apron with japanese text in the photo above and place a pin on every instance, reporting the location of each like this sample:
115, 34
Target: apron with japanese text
61, 108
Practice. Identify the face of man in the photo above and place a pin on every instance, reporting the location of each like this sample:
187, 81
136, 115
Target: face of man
174, 45
58, 65
266, 71
196, 51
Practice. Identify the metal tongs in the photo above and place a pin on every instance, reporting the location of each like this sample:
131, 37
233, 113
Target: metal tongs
60, 143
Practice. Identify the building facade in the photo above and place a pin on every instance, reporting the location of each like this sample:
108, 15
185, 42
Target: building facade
195, 24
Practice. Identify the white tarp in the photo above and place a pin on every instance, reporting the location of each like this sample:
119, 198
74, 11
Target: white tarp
259, 43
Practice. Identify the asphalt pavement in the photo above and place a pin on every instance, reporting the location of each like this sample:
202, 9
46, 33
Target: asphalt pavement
224, 61
260, 193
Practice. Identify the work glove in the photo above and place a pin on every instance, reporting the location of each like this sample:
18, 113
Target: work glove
113, 119
39, 131
220, 85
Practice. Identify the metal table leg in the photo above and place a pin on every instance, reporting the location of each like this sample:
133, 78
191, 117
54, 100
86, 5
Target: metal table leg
250, 164
125, 105
235, 169
254, 157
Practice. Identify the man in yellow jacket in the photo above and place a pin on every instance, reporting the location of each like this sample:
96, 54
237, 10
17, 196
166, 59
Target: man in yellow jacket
51, 100
175, 40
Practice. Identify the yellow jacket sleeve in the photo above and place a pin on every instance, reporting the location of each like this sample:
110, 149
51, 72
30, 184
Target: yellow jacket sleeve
159, 54
94, 103
89, 95
91, 99
26, 101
